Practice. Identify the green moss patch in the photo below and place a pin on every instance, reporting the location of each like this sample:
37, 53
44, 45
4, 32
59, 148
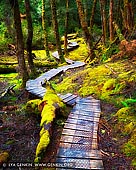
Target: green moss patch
3, 157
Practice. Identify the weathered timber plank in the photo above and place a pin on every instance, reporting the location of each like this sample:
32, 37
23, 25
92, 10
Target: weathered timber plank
63, 97
81, 163
92, 141
89, 107
84, 127
72, 102
77, 153
79, 121
75, 146
77, 139
70, 98
73, 116
85, 113
79, 133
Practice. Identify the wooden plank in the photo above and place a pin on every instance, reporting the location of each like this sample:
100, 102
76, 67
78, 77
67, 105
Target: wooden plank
70, 98
84, 127
63, 97
75, 146
88, 106
86, 113
78, 121
81, 163
72, 102
92, 141
79, 133
73, 116
76, 139
77, 153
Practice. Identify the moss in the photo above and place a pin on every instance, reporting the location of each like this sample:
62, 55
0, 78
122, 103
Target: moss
129, 128
48, 114
32, 106
43, 143
4, 157
109, 85
129, 148
52, 102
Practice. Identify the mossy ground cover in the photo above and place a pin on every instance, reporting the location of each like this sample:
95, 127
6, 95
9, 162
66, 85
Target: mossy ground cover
113, 83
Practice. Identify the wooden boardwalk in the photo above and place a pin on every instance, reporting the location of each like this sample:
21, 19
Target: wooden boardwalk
78, 147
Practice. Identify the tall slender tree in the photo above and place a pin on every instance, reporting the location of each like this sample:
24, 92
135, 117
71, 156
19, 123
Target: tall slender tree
19, 41
56, 30
111, 28
85, 29
44, 25
66, 29
29, 37
103, 18
92, 15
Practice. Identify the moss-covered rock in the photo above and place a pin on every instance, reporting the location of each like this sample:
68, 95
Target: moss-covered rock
3, 157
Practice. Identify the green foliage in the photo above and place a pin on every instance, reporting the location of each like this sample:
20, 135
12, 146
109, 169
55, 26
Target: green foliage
32, 106
128, 102
12, 79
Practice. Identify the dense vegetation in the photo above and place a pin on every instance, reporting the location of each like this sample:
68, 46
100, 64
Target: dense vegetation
105, 32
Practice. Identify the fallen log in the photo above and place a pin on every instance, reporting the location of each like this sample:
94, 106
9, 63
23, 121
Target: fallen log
49, 107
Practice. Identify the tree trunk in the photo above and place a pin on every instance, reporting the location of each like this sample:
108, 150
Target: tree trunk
20, 43
103, 18
92, 19
85, 29
128, 16
111, 28
56, 30
92, 15
29, 37
45, 31
66, 29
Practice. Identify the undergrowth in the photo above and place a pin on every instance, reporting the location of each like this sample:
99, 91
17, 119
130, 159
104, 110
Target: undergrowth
115, 83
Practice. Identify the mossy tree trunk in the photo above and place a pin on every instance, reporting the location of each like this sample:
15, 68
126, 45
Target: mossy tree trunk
66, 29
111, 28
20, 43
45, 31
29, 38
85, 28
56, 30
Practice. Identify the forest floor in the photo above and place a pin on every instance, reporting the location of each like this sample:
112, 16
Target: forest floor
19, 132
